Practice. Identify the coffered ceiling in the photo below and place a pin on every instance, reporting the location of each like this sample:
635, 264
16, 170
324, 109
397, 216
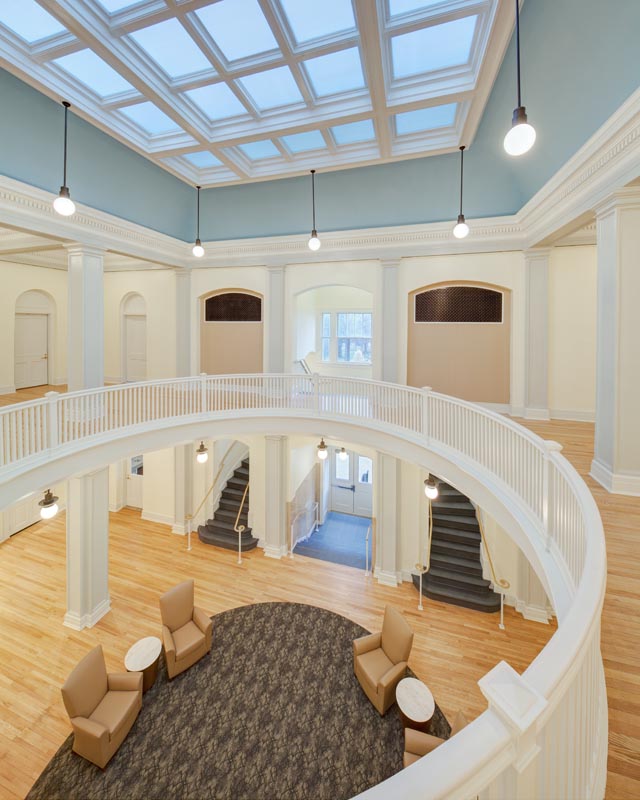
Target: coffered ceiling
233, 91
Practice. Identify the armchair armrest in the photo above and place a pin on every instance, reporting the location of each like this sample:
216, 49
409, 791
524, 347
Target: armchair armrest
393, 675
420, 743
168, 643
365, 644
202, 620
90, 729
124, 681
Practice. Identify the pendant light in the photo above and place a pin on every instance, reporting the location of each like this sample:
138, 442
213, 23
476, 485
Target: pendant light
520, 138
322, 450
198, 249
63, 203
431, 488
314, 241
202, 454
342, 454
461, 229
48, 505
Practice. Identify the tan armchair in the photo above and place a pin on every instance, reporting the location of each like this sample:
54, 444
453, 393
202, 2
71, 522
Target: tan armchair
380, 659
102, 707
186, 631
418, 744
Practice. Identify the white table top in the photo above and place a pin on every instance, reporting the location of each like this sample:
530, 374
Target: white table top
415, 700
142, 654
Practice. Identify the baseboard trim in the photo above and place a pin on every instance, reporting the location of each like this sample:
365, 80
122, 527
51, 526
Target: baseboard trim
275, 550
533, 613
112, 379
80, 621
179, 528
386, 578
116, 507
615, 482
7, 389
572, 415
162, 519
537, 413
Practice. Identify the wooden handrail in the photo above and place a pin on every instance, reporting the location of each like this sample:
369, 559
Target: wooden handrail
213, 485
246, 489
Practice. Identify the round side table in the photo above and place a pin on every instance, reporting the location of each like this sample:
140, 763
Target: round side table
416, 703
143, 656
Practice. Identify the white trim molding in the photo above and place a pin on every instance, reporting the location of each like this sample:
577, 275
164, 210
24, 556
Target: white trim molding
615, 482
80, 621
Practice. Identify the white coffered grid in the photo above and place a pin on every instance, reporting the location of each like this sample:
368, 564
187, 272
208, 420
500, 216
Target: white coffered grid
231, 91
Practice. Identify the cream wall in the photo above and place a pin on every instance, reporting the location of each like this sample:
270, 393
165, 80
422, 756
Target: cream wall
572, 332
19, 278
157, 287
302, 460
158, 486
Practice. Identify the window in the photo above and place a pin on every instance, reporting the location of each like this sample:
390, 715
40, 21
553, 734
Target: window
343, 468
346, 337
365, 470
137, 466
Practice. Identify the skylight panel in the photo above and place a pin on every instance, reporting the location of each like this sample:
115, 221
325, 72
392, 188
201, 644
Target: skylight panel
238, 27
257, 150
217, 101
425, 119
301, 142
170, 46
353, 132
327, 18
29, 20
433, 48
335, 72
203, 160
399, 7
150, 118
118, 5
272, 88
95, 73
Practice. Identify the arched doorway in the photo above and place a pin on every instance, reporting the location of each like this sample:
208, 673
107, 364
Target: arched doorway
459, 340
134, 338
33, 340
231, 332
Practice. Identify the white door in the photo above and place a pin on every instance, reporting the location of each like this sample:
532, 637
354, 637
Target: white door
135, 348
135, 473
363, 480
342, 484
31, 350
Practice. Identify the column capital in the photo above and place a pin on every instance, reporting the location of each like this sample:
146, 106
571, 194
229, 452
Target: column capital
276, 267
537, 253
628, 197
390, 263
183, 272
80, 249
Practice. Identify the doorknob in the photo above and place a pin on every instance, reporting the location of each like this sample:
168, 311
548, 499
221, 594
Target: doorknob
46, 355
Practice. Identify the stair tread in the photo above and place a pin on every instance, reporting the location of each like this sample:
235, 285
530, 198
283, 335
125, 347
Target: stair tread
459, 577
457, 534
444, 561
459, 509
491, 600
454, 519
220, 523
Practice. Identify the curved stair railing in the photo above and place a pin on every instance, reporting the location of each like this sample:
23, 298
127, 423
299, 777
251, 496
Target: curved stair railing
544, 733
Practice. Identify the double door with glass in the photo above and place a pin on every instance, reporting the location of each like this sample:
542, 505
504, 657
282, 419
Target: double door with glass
351, 483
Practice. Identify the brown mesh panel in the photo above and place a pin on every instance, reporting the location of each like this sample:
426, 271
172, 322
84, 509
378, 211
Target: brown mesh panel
233, 307
459, 304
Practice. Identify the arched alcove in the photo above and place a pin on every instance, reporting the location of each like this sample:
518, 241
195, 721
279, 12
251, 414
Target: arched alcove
34, 345
459, 340
133, 313
231, 332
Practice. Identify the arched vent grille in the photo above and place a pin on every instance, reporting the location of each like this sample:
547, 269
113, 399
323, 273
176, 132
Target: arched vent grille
233, 307
459, 304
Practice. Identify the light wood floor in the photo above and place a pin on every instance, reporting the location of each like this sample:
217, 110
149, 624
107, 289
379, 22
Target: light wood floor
33, 393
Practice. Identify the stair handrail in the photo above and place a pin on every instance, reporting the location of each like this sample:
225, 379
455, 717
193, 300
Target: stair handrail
366, 552
190, 517
502, 582
244, 495
315, 506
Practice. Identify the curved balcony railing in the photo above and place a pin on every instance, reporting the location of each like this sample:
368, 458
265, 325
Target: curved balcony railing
544, 733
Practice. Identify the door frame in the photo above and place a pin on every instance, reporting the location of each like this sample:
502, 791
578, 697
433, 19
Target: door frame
23, 308
123, 344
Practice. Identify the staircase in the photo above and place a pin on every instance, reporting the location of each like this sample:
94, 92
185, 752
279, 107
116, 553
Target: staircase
219, 531
455, 572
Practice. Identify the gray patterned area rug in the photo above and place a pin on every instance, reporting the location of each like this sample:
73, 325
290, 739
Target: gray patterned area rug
274, 712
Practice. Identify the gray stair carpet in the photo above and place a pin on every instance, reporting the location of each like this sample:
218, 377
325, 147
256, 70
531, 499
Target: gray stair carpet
273, 712
220, 531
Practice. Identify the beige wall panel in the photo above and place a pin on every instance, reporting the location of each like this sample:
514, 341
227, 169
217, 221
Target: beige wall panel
230, 347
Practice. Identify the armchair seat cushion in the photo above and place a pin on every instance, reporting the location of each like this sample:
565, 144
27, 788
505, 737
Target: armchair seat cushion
116, 710
187, 640
410, 758
373, 665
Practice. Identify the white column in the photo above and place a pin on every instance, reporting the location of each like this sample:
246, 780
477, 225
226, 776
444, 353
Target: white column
616, 463
183, 323
389, 320
85, 317
388, 519
537, 333
274, 361
184, 459
87, 549
275, 534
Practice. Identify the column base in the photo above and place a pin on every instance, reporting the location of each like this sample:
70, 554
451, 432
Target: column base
275, 550
537, 413
615, 482
386, 578
80, 621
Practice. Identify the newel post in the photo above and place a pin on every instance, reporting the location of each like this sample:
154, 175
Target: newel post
547, 490
53, 434
203, 392
426, 392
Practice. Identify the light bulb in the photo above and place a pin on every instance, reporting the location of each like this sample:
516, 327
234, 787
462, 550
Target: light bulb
48, 512
461, 229
202, 454
343, 455
314, 241
520, 139
322, 450
63, 204
431, 488
198, 249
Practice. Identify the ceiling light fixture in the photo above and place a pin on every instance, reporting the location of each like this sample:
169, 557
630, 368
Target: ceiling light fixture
198, 249
314, 241
521, 137
461, 229
48, 505
322, 450
431, 488
202, 454
63, 204
342, 454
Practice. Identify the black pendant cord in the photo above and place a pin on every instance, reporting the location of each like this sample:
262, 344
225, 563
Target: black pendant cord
461, 175
518, 50
198, 215
66, 109
313, 197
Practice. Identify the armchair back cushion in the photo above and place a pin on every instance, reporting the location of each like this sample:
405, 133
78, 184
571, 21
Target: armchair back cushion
397, 636
85, 688
176, 605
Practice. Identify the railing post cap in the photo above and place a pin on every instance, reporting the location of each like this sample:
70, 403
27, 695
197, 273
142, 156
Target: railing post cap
517, 702
553, 447
427, 389
203, 374
52, 395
